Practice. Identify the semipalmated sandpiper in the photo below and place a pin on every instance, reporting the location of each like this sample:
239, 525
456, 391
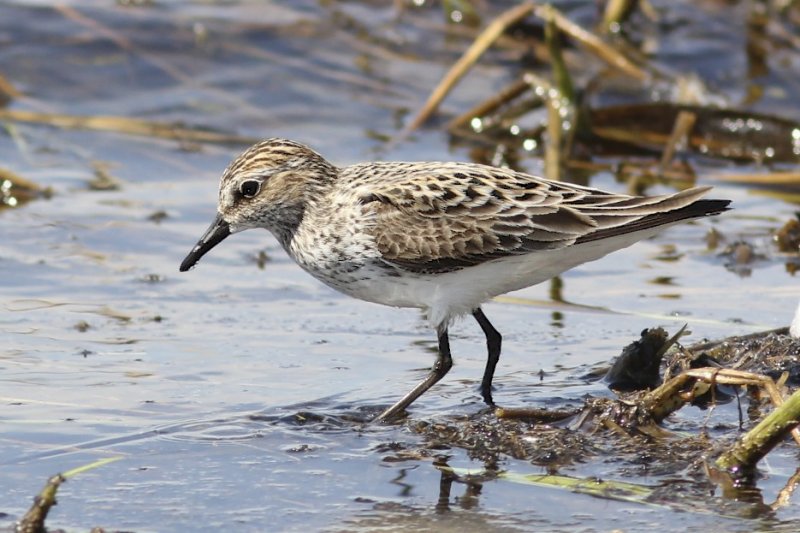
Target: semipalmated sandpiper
442, 237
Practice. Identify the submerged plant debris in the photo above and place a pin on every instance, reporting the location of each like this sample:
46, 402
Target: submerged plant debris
743, 255
787, 237
634, 428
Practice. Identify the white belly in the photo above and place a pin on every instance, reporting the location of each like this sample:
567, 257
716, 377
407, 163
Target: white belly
448, 295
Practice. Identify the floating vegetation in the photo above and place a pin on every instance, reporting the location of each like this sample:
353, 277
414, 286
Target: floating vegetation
724, 133
16, 190
787, 237
103, 180
638, 366
759, 368
743, 254
126, 125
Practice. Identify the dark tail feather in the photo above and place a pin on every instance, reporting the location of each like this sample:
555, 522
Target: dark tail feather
698, 209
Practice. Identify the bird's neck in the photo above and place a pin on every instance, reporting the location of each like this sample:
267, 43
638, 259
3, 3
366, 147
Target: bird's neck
313, 194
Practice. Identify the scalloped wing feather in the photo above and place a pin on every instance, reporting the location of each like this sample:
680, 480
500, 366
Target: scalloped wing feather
433, 218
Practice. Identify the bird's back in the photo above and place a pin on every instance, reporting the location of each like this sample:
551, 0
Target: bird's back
440, 217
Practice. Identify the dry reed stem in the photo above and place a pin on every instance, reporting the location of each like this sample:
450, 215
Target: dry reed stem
491, 104
494, 30
465, 62
596, 45
125, 125
773, 178
684, 123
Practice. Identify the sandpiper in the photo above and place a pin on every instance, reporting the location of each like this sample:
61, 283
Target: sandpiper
442, 237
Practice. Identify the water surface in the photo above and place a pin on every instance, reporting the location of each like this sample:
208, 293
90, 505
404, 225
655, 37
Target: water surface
197, 379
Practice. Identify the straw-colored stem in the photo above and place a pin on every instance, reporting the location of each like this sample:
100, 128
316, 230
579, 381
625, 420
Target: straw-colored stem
126, 125
465, 62
756, 443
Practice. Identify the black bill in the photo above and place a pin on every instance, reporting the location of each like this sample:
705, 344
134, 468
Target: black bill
218, 230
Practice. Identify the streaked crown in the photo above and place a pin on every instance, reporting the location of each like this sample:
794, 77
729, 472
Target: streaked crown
269, 184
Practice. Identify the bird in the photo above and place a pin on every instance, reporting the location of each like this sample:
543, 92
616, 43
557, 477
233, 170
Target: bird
443, 237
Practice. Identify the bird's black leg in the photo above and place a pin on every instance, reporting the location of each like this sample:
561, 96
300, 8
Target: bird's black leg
443, 364
493, 342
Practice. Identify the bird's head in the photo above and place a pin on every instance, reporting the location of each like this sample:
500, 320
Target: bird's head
268, 186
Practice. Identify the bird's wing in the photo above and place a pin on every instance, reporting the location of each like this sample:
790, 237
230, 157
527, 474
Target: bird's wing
432, 218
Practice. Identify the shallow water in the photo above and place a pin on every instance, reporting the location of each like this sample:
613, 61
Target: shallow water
196, 379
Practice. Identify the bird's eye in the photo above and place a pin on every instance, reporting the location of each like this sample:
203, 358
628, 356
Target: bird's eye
250, 188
